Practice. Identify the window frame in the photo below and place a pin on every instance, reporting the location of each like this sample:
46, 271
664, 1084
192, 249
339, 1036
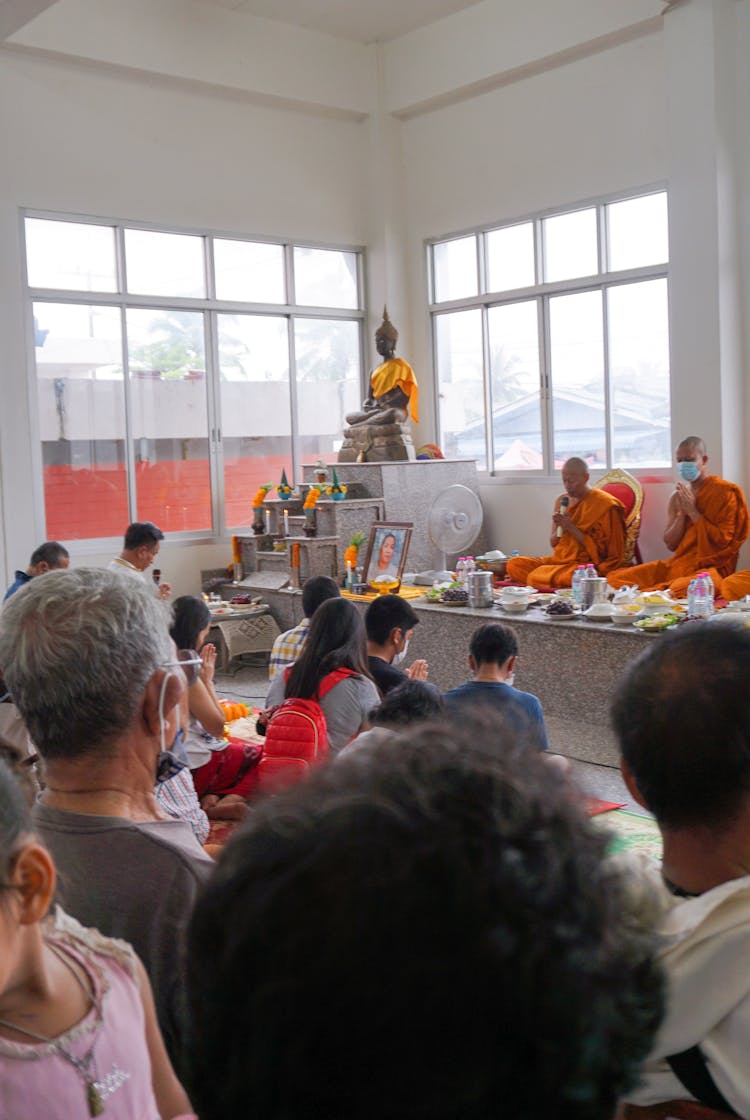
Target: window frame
210, 307
541, 292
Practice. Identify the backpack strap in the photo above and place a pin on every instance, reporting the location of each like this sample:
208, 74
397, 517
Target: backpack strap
330, 680
691, 1069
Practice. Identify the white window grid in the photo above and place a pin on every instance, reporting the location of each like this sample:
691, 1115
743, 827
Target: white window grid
211, 307
541, 292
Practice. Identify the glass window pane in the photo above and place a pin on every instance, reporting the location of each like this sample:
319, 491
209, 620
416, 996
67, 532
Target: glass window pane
70, 255
455, 268
329, 384
639, 374
164, 264
510, 257
81, 420
516, 395
167, 367
577, 368
570, 246
250, 271
638, 232
325, 278
459, 361
256, 413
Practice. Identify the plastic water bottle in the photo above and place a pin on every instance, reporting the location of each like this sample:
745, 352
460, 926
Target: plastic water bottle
702, 604
461, 571
575, 583
709, 589
469, 567
691, 599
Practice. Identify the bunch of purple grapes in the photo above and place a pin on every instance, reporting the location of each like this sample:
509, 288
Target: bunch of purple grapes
559, 606
455, 595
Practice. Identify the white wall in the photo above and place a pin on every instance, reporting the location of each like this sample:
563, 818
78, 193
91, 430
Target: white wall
500, 111
90, 142
578, 131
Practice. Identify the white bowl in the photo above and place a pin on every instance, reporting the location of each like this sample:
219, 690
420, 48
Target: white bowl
599, 612
514, 606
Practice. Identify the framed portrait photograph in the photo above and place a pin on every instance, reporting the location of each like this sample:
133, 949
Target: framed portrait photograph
386, 551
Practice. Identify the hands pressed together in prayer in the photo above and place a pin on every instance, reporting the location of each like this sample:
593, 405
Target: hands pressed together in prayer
418, 670
208, 653
685, 501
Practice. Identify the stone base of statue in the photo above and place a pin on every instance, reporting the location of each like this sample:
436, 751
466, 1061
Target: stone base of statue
377, 443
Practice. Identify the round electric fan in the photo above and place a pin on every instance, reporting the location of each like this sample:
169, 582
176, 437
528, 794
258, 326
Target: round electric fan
453, 522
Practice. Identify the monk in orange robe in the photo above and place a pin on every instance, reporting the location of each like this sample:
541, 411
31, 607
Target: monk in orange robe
588, 528
707, 521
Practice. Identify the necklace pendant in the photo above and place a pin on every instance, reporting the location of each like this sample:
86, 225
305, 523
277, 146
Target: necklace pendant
96, 1104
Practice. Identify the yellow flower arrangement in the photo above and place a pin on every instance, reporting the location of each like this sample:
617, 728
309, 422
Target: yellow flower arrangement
260, 494
311, 498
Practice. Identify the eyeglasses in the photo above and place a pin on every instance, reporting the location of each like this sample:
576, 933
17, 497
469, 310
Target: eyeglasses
189, 661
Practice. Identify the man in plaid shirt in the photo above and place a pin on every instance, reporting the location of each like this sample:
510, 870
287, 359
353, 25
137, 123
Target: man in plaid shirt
288, 646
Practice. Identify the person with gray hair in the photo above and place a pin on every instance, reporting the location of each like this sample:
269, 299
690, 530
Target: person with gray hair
91, 666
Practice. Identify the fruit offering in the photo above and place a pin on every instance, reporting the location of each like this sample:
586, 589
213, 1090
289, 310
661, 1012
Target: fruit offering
559, 608
454, 595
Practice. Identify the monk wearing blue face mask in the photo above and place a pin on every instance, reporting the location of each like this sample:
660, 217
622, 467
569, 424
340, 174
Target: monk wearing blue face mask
707, 522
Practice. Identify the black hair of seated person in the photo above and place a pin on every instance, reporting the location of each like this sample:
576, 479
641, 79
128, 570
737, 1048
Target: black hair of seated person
386, 613
682, 716
410, 702
140, 533
316, 591
493, 644
335, 640
51, 553
190, 616
427, 929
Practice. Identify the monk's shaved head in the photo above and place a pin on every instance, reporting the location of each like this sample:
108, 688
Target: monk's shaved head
575, 465
693, 444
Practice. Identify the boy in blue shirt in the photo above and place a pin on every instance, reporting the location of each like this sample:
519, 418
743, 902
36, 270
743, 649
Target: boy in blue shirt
492, 660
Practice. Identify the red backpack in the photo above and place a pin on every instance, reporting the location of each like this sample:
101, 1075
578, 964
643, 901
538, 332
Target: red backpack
296, 737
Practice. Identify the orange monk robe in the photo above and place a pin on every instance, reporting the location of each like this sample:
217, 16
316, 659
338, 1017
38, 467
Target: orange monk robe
710, 544
601, 519
396, 373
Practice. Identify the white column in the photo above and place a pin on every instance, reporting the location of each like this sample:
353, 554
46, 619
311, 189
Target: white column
706, 313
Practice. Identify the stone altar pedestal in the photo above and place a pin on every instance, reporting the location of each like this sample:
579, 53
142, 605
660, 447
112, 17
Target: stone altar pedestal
377, 443
407, 490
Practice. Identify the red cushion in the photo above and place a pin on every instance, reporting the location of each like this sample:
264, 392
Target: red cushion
623, 492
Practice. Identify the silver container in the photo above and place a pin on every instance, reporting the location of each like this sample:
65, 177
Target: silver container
592, 591
479, 586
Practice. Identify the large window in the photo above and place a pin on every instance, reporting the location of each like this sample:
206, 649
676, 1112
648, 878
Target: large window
551, 339
176, 372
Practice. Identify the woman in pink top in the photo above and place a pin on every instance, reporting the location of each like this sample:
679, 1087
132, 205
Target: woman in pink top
78, 1029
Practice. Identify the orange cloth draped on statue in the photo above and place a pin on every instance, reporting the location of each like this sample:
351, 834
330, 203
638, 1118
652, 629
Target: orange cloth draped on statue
601, 519
396, 373
710, 544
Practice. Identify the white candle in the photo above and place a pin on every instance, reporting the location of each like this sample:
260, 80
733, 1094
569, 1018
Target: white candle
286, 522
267, 516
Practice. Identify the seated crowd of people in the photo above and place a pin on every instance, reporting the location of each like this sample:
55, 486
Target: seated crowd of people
415, 917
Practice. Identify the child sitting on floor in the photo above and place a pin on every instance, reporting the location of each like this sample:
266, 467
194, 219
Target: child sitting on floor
78, 1029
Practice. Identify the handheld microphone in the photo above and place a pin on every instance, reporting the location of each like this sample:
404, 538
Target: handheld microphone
564, 503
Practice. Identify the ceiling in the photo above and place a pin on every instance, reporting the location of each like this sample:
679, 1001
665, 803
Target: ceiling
364, 21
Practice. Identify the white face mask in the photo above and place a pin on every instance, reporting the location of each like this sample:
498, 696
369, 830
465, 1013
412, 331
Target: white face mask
510, 678
399, 657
